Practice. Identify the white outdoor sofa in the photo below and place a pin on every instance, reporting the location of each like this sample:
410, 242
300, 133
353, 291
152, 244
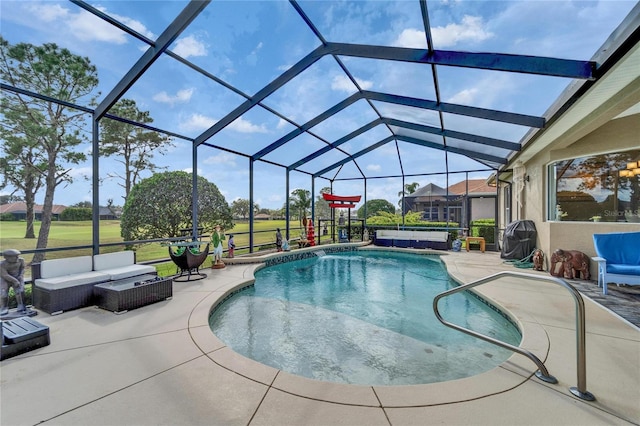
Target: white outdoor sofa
618, 258
64, 284
439, 240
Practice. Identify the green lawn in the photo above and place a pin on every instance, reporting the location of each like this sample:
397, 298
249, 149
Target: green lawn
69, 234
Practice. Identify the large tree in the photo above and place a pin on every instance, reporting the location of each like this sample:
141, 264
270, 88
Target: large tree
47, 132
161, 205
374, 207
9, 198
604, 171
20, 171
322, 208
132, 146
240, 208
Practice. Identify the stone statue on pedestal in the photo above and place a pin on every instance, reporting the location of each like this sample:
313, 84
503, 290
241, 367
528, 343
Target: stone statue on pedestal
12, 275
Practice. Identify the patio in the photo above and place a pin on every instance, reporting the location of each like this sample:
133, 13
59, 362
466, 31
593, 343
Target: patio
160, 364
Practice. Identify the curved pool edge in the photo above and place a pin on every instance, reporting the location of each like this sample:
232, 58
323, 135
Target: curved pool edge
508, 375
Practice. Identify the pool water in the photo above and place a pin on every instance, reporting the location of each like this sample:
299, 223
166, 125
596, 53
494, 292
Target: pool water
361, 317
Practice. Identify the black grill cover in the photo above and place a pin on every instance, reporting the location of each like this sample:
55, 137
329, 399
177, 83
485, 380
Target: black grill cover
519, 240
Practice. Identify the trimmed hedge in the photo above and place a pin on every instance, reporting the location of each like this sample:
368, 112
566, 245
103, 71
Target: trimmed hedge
76, 214
484, 228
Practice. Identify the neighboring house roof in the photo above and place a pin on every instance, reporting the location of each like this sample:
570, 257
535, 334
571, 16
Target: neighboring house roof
427, 190
476, 187
262, 216
21, 207
106, 211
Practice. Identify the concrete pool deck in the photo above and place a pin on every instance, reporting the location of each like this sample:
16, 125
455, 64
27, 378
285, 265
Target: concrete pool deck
161, 365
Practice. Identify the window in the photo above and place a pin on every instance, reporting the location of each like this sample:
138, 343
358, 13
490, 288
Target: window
598, 188
506, 196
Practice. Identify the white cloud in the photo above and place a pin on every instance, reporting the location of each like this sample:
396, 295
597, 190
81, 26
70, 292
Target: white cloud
189, 46
50, 12
243, 126
374, 167
181, 96
344, 84
282, 124
252, 58
135, 25
413, 38
80, 172
464, 97
86, 26
257, 48
471, 29
491, 91
223, 158
202, 122
197, 122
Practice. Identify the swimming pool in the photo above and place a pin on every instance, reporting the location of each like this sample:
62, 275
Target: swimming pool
362, 317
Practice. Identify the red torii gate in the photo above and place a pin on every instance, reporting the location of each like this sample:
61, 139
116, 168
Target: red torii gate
343, 202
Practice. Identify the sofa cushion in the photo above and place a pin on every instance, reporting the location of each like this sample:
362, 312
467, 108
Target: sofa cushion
439, 236
113, 260
71, 280
60, 267
622, 248
623, 269
128, 271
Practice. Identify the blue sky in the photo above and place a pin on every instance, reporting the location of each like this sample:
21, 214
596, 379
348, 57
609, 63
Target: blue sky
248, 44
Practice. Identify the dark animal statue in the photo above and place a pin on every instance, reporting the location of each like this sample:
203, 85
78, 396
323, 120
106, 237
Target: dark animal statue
569, 264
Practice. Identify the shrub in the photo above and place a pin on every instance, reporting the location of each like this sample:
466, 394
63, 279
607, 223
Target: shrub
484, 228
76, 214
28, 298
8, 217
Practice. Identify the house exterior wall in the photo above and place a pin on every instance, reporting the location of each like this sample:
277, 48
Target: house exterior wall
616, 135
483, 208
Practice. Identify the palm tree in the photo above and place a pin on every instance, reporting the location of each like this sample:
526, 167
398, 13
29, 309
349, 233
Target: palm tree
409, 188
301, 202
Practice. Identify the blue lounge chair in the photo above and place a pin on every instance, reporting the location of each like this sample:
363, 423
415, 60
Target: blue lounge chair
618, 258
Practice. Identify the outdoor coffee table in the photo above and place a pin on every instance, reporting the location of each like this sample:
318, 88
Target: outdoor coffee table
120, 296
476, 240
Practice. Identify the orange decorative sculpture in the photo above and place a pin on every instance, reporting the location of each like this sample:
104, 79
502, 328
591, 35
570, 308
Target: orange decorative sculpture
311, 238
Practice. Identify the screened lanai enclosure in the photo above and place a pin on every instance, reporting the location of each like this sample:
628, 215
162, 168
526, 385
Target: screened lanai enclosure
265, 97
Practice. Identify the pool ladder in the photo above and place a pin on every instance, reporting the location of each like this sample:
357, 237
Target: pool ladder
581, 390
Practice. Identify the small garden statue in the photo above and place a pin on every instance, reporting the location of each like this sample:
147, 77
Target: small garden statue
538, 260
12, 275
216, 241
278, 240
365, 235
285, 245
231, 245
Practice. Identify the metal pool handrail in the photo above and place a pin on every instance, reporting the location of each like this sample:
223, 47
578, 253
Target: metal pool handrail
581, 390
